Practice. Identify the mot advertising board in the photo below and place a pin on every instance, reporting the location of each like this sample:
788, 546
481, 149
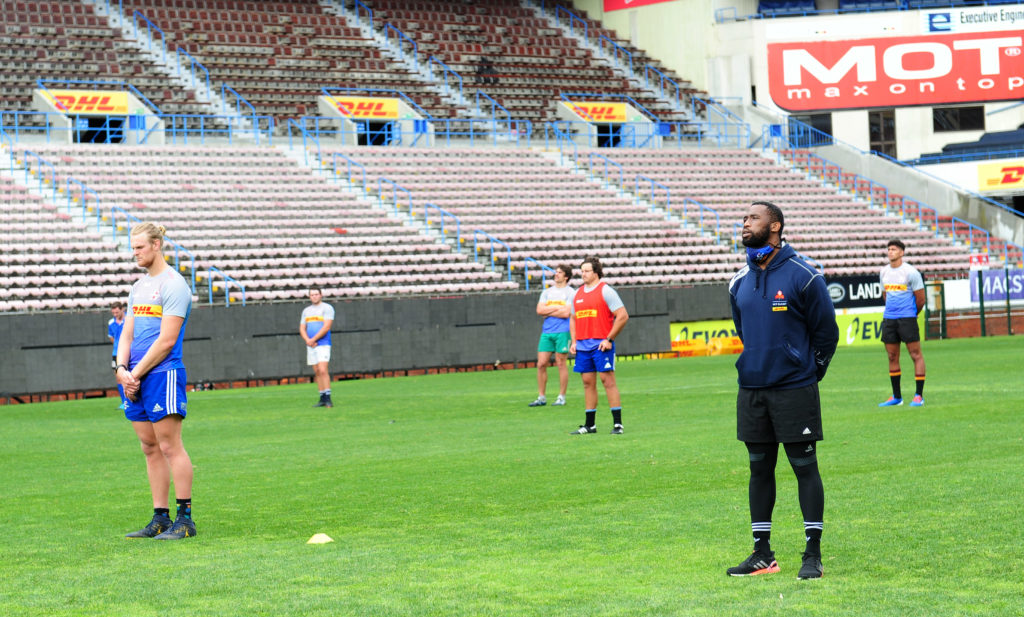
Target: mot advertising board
618, 5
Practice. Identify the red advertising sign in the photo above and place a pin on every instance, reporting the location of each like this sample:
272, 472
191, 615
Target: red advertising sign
618, 5
897, 71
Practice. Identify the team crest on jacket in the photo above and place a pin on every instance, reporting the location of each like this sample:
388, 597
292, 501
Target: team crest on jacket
779, 301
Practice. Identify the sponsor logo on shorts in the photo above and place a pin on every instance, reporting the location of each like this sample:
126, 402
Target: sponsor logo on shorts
157, 408
807, 431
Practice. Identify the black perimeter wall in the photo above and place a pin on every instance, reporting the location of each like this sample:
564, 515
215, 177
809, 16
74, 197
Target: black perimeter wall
68, 352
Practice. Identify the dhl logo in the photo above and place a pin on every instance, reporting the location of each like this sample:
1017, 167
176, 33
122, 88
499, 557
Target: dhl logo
555, 303
600, 112
895, 287
997, 177
87, 102
148, 310
314, 318
583, 314
366, 108
776, 309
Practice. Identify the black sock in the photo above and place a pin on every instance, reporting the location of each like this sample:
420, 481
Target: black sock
762, 536
164, 512
812, 533
894, 377
185, 507
616, 415
591, 418
919, 382
761, 492
804, 460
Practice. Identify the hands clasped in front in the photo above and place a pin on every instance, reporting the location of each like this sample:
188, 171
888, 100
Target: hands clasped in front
129, 383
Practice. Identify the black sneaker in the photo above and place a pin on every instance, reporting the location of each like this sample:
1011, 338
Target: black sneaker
157, 526
323, 402
583, 430
811, 567
757, 563
617, 429
183, 527
327, 401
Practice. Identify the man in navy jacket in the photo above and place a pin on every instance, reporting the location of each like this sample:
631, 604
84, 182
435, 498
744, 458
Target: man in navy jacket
784, 316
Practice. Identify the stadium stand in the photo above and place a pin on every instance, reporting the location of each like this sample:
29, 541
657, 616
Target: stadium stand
265, 221
552, 214
56, 39
1002, 141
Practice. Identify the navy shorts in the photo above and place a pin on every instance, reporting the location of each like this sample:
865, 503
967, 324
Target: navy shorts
778, 416
160, 395
595, 361
900, 330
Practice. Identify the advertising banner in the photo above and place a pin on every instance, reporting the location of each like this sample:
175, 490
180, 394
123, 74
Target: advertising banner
364, 108
598, 112
1001, 176
975, 19
996, 284
618, 5
88, 102
865, 328
855, 291
896, 71
701, 330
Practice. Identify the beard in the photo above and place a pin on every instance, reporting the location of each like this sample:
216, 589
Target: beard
756, 241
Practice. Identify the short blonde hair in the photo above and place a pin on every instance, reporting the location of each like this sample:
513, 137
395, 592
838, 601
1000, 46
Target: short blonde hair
151, 231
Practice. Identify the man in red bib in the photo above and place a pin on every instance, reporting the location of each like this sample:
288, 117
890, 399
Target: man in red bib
597, 317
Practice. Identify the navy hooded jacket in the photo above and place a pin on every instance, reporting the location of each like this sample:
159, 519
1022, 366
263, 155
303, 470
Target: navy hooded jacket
785, 318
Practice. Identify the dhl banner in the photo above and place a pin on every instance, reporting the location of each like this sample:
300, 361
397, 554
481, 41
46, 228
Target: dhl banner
598, 112
618, 5
1001, 176
89, 102
364, 108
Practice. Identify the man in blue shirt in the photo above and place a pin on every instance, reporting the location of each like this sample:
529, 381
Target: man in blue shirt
903, 294
784, 316
114, 326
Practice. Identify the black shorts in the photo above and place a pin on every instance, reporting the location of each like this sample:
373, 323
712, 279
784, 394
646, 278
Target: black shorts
779, 416
901, 330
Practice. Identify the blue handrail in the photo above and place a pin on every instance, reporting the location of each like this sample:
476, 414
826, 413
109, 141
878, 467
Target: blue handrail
492, 241
737, 235
607, 161
543, 272
701, 208
395, 187
193, 63
10, 146
368, 10
388, 28
662, 78
494, 106
427, 207
970, 233
84, 189
349, 163
654, 184
814, 262
305, 145
177, 261
445, 72
573, 20
42, 163
150, 27
113, 222
227, 280
239, 101
617, 50
560, 138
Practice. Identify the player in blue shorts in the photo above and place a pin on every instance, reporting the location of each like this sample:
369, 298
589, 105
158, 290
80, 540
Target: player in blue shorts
151, 371
114, 326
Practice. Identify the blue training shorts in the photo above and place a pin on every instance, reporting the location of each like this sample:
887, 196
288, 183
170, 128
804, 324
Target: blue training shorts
595, 361
160, 395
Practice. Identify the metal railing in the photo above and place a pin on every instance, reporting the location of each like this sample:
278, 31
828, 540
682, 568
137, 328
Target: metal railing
627, 62
307, 138
85, 205
239, 101
366, 9
434, 61
177, 259
662, 80
349, 164
193, 64
395, 188
150, 29
400, 37
491, 242
701, 209
444, 214
228, 280
574, 21
653, 184
607, 165
115, 229
544, 270
42, 181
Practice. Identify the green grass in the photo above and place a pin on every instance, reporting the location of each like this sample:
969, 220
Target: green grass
447, 495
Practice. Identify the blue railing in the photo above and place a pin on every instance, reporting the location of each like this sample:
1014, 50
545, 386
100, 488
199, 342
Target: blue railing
227, 283
737, 235
444, 214
492, 241
520, 131
150, 29
701, 209
814, 262
349, 164
85, 206
662, 80
495, 105
306, 139
395, 187
129, 218
177, 259
42, 163
653, 184
239, 101
608, 163
177, 127
617, 50
561, 139
193, 64
433, 61
574, 21
397, 44
366, 9
971, 229
10, 147
544, 270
